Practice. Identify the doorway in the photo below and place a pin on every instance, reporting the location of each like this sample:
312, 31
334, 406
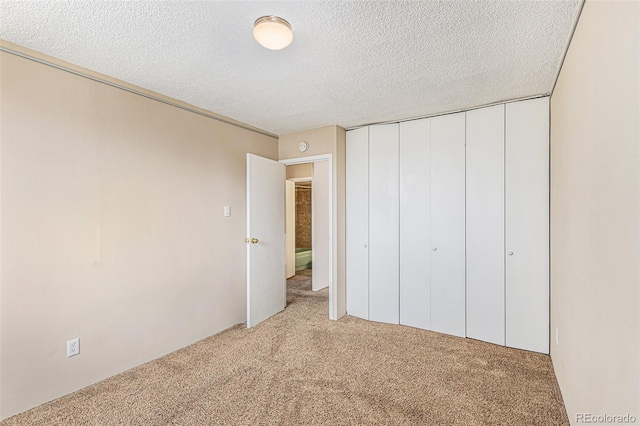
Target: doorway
302, 231
309, 224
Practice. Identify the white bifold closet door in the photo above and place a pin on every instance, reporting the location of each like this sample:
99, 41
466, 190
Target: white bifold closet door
527, 224
447, 224
384, 286
485, 224
357, 222
415, 219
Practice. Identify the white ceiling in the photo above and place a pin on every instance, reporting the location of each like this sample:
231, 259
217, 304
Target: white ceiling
350, 63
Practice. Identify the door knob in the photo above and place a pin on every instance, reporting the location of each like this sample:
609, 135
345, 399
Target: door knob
364, 245
435, 249
510, 253
252, 240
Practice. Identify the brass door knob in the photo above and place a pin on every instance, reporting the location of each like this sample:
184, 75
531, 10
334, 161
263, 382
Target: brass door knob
254, 240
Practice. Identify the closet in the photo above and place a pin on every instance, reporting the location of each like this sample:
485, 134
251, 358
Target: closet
431, 169
447, 224
373, 231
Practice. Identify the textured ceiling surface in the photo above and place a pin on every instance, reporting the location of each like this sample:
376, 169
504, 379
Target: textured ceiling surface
350, 63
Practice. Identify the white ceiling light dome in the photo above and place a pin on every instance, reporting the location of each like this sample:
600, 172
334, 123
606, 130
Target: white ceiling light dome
272, 32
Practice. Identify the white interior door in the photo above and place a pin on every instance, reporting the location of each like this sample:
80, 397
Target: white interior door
447, 224
357, 222
485, 224
290, 228
527, 224
415, 233
266, 284
320, 239
384, 228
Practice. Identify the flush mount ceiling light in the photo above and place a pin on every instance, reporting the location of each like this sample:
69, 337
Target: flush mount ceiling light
272, 32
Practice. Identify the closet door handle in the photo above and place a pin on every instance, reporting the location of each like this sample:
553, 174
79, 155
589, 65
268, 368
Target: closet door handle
435, 249
510, 253
364, 245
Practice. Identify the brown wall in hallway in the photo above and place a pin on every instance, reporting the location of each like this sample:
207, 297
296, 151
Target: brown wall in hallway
303, 217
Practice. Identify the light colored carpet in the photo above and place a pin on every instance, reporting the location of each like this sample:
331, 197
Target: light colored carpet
300, 368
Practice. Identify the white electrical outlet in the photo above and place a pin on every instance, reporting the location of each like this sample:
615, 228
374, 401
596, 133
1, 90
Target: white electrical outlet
73, 347
557, 337
227, 211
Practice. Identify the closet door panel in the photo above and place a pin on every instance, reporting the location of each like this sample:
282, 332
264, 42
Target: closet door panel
485, 224
384, 286
357, 222
447, 224
527, 224
415, 233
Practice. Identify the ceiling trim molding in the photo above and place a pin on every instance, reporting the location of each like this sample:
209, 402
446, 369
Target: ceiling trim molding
23, 52
455, 111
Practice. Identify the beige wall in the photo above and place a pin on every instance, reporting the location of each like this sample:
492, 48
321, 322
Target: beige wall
300, 171
595, 216
112, 229
326, 140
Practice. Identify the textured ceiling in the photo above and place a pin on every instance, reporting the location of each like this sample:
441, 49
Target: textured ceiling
350, 63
